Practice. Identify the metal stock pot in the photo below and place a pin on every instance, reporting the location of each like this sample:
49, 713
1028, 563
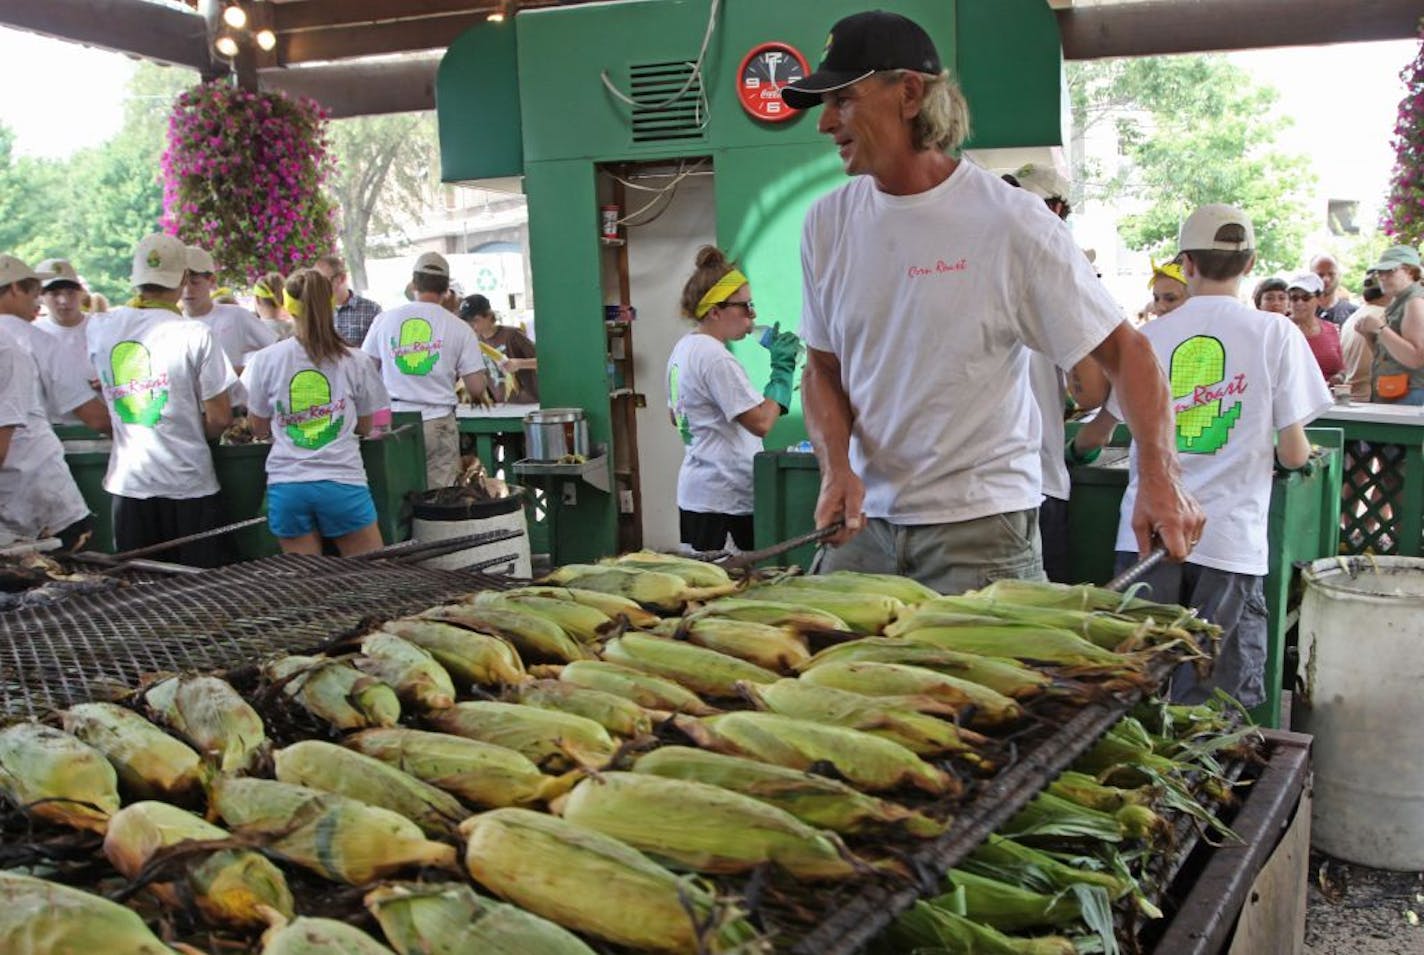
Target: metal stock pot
554, 433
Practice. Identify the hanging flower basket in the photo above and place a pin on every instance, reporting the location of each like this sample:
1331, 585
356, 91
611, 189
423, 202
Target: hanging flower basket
1403, 219
243, 176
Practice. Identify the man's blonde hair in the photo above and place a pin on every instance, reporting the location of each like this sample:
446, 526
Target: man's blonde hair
943, 120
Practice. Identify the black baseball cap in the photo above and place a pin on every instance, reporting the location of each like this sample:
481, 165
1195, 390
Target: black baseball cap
474, 305
860, 45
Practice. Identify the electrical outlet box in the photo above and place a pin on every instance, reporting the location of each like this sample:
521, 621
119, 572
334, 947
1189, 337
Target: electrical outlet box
625, 501
570, 497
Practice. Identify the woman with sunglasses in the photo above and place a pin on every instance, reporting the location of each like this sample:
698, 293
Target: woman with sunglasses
1322, 337
712, 402
1398, 335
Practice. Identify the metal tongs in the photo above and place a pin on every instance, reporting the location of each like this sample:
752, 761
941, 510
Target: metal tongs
1138, 570
746, 558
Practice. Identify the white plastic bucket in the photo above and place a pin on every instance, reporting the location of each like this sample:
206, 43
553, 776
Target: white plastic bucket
437, 522
1361, 695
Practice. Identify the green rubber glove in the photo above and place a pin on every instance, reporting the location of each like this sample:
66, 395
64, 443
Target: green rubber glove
784, 348
1076, 458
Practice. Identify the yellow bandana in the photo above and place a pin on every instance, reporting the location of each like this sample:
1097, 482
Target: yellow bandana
718, 293
1169, 269
260, 290
293, 306
138, 301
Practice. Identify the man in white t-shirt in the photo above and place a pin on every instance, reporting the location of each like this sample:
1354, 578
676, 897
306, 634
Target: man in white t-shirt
63, 294
166, 381
1244, 385
926, 282
238, 332
421, 349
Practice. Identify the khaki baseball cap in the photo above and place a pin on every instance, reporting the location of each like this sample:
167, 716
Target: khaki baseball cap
13, 270
1395, 256
432, 263
159, 260
58, 270
1043, 181
200, 260
1199, 232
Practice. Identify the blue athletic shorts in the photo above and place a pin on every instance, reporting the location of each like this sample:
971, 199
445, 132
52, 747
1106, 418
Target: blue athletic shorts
297, 508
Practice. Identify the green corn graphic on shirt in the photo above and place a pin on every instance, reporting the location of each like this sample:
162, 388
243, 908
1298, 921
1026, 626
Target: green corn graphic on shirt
1202, 396
683, 427
137, 394
309, 416
417, 350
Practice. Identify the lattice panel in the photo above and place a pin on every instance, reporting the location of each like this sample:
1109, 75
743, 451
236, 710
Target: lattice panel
1371, 504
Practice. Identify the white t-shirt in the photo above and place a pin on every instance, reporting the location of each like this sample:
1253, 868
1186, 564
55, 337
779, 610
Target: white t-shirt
707, 390
73, 350
1238, 376
38, 495
238, 332
313, 410
422, 349
1047, 383
64, 385
931, 302
157, 368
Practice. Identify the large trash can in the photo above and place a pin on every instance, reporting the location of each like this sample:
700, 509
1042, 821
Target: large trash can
438, 517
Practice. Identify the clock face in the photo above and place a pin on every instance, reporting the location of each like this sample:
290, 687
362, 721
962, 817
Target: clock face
764, 71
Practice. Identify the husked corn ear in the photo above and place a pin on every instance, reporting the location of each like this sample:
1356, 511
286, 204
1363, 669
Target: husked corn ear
545, 737
449, 918
339, 838
210, 714
658, 590
698, 573
585, 624
983, 706
863, 613
815, 800
591, 883
779, 649
536, 639
616, 714
52, 775
773, 613
229, 886
481, 773
468, 656
418, 679
1009, 677
907, 590
700, 670
150, 763
331, 768
38, 917
1026, 642
704, 828
335, 691
317, 936
612, 605
866, 762
648, 691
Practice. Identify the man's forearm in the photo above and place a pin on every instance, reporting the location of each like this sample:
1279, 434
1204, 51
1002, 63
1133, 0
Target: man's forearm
828, 414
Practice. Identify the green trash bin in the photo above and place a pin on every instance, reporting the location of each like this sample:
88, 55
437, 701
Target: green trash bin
88, 460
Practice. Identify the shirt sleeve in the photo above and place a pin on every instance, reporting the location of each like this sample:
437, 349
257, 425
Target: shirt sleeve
468, 358
259, 336
1065, 310
254, 379
369, 393
371, 344
17, 386
215, 374
1301, 394
520, 346
68, 386
727, 384
813, 324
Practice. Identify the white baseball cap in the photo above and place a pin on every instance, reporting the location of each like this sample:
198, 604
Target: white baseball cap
58, 270
1043, 181
1200, 230
432, 263
200, 260
13, 270
160, 260
1308, 282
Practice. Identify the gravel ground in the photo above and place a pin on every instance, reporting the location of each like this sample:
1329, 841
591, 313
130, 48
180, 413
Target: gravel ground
1357, 911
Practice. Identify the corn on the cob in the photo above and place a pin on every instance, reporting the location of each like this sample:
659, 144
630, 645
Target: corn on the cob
930, 928
1009, 677
585, 624
1087, 597
933, 614
150, 763
702, 671
981, 706
864, 613
1001, 858
617, 714
597, 885
1051, 817
448, 918
38, 917
773, 613
479, 772
330, 768
697, 573
1006, 907
1087, 791
908, 591
866, 762
318, 936
545, 737
210, 714
418, 679
335, 691
338, 838
773, 648
612, 605
1103, 628
651, 588
228, 885
648, 691
536, 639
53, 775
704, 828
815, 800
1026, 643
468, 657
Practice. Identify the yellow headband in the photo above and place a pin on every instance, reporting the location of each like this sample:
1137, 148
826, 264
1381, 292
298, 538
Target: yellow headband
293, 306
260, 290
1169, 269
718, 293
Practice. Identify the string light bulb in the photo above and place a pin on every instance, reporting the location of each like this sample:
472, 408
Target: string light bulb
226, 45
235, 17
266, 39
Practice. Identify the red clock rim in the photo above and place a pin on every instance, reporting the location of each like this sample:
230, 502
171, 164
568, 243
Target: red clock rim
791, 111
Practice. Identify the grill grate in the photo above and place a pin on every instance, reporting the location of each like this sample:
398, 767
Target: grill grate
87, 647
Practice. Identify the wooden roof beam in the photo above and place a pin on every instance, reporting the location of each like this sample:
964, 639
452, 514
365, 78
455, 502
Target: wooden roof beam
134, 27
401, 36
324, 14
361, 89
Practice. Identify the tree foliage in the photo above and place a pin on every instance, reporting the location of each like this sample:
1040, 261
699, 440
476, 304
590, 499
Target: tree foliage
1403, 218
1190, 130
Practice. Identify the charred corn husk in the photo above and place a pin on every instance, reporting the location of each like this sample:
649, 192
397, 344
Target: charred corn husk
335, 691
481, 773
697, 573
863, 613
1009, 677
866, 762
591, 883
468, 657
773, 648
536, 639
585, 624
336, 837
907, 591
210, 714
150, 763
774, 613
53, 775
930, 928
815, 800
418, 679
38, 917
704, 828
1006, 907
981, 706
655, 589
1024, 642
1017, 863
449, 918
330, 768
317, 936
229, 886
1087, 791
648, 691
700, 670
612, 605
545, 737
617, 714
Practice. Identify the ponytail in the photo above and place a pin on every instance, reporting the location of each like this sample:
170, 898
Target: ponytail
316, 326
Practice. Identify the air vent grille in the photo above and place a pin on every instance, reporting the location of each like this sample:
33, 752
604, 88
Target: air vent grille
684, 118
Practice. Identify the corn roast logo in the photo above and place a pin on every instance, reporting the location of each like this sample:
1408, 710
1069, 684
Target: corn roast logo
418, 349
311, 419
1200, 388
137, 394
684, 427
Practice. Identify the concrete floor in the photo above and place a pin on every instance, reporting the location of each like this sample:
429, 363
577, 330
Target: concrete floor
1358, 911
